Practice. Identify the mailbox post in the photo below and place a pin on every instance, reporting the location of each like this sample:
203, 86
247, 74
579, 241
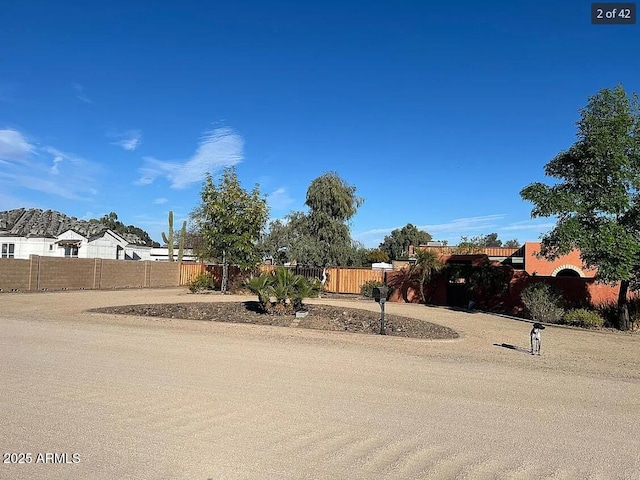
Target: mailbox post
380, 296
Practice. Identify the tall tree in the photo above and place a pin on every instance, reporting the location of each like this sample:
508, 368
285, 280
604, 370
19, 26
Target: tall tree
597, 199
396, 245
320, 237
231, 220
332, 203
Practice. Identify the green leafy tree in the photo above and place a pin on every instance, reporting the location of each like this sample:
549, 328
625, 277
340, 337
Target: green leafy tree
376, 255
396, 245
596, 195
467, 246
476, 244
488, 241
276, 242
332, 203
197, 243
320, 237
231, 221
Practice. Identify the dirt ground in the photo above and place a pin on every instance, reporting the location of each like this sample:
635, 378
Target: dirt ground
319, 317
149, 397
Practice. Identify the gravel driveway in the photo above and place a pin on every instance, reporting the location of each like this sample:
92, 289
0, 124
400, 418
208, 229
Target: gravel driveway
141, 398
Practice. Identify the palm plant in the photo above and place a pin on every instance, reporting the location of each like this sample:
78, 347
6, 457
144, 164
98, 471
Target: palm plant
428, 263
261, 286
306, 289
285, 287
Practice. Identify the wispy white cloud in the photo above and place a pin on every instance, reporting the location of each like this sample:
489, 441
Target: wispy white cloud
40, 184
529, 225
450, 231
45, 169
468, 225
54, 168
14, 147
217, 149
279, 199
76, 168
80, 95
129, 140
160, 201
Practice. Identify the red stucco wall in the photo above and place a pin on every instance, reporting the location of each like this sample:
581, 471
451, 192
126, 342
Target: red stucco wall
541, 266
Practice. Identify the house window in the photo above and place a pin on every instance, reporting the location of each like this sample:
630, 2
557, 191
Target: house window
71, 251
50, 247
8, 250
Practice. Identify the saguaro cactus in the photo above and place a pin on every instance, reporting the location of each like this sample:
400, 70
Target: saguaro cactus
182, 238
168, 239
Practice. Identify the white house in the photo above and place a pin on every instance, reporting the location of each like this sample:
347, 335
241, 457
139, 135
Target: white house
34, 232
71, 244
161, 254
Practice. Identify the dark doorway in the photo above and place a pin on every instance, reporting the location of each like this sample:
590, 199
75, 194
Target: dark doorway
457, 295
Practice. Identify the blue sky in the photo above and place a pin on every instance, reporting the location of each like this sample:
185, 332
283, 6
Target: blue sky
438, 112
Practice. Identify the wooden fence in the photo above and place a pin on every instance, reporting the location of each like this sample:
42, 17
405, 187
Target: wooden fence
350, 280
339, 279
189, 271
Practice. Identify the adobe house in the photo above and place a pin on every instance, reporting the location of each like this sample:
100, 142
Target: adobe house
521, 258
522, 266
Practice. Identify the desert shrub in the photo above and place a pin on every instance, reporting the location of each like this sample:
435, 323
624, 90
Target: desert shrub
367, 288
582, 317
609, 312
543, 303
201, 282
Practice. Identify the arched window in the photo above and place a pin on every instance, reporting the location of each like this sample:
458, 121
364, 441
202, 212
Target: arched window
567, 272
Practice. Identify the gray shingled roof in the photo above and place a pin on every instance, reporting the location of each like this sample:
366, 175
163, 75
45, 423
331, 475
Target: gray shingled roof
49, 224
